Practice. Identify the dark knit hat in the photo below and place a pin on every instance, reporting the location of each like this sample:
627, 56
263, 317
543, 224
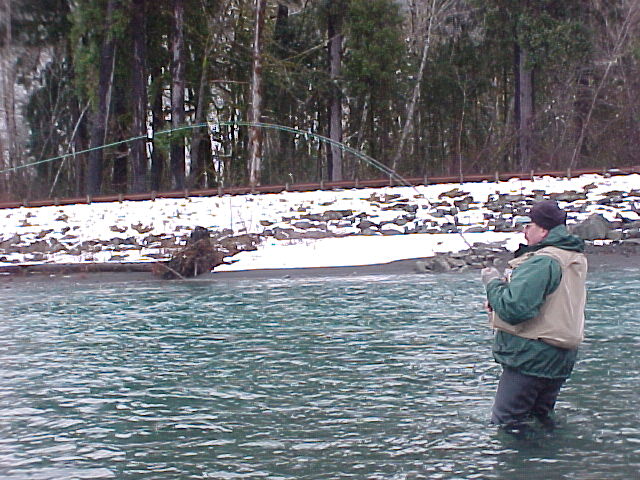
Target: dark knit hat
547, 214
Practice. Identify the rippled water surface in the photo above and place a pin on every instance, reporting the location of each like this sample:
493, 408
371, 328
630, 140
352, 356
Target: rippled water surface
326, 378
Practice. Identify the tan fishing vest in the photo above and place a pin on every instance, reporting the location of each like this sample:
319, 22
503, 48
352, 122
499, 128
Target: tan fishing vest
560, 321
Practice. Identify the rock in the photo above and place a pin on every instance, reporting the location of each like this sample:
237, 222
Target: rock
402, 206
303, 225
568, 196
10, 242
632, 233
464, 204
280, 233
614, 235
454, 193
440, 265
595, 227
56, 246
115, 228
141, 229
44, 233
366, 224
421, 266
116, 241
456, 263
312, 234
40, 246
336, 214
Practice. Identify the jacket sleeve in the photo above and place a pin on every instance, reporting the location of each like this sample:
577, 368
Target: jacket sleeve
521, 298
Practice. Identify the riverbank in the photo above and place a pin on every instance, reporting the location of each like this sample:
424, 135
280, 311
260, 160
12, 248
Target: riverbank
600, 258
446, 227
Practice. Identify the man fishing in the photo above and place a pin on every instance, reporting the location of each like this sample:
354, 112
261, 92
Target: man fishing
537, 311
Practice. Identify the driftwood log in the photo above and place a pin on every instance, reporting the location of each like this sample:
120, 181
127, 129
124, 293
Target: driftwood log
198, 256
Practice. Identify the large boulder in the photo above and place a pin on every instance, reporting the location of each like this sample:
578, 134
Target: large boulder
595, 227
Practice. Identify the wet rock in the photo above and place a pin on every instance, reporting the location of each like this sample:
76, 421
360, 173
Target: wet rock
440, 265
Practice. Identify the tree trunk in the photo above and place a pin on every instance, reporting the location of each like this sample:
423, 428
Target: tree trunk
139, 96
100, 117
177, 95
199, 136
524, 108
334, 31
157, 156
8, 138
255, 107
408, 124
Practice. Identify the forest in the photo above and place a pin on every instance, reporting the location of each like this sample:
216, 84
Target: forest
118, 96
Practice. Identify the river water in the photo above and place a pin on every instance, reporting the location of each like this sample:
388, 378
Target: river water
315, 378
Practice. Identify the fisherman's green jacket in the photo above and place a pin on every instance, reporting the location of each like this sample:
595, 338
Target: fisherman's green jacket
521, 299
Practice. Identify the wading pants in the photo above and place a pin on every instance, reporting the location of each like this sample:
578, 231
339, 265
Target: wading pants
520, 397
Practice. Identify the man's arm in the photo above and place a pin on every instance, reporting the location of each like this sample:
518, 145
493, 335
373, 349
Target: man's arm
521, 298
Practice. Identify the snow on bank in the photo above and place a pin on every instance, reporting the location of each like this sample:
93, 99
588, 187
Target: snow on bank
143, 223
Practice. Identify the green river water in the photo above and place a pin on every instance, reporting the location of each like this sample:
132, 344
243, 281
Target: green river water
375, 377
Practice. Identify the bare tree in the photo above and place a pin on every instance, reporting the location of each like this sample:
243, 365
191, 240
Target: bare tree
100, 117
139, 94
177, 94
524, 106
255, 107
434, 11
9, 149
334, 32
620, 38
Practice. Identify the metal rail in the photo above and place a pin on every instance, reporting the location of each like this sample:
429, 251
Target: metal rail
307, 187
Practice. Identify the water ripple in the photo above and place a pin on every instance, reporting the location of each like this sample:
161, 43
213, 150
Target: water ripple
370, 377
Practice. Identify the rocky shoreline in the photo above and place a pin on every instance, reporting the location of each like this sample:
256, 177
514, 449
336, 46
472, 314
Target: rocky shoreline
38, 246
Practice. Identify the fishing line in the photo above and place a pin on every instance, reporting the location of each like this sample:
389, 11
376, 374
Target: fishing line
345, 148
362, 156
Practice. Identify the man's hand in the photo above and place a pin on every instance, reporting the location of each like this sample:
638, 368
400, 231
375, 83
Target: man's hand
488, 274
